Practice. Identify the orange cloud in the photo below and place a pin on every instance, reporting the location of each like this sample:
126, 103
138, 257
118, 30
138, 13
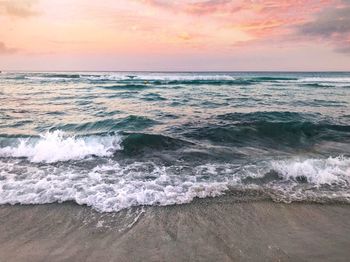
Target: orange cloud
18, 8
6, 50
185, 36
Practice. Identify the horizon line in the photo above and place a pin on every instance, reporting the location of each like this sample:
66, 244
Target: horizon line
184, 71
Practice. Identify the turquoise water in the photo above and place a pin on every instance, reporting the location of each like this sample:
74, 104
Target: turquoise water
114, 140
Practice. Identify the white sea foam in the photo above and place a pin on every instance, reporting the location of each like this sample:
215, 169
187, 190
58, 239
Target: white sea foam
316, 171
159, 77
132, 77
57, 146
110, 187
100, 188
325, 79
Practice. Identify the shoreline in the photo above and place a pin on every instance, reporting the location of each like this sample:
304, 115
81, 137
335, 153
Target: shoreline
211, 229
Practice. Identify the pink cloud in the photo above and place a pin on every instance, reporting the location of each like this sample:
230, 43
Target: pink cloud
6, 50
258, 18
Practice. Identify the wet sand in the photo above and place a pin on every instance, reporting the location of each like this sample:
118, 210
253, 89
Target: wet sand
218, 229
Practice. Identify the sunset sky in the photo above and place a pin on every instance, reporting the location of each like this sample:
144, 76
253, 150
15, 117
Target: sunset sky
179, 35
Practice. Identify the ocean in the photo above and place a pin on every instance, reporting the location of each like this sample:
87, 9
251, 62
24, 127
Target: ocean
116, 140
150, 166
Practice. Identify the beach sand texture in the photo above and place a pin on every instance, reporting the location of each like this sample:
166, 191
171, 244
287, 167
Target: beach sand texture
205, 230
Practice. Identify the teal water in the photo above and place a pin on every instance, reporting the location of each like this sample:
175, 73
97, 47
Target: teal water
114, 140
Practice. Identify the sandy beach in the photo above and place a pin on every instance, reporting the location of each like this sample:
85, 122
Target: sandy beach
218, 229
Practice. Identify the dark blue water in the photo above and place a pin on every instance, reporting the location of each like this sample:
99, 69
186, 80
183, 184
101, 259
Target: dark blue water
116, 140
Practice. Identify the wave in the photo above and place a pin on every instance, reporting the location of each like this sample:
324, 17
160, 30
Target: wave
139, 142
111, 187
130, 123
169, 78
273, 78
327, 85
186, 77
268, 116
326, 79
14, 77
158, 77
106, 188
74, 76
42, 78
57, 146
145, 80
259, 130
329, 171
207, 82
271, 129
126, 86
142, 84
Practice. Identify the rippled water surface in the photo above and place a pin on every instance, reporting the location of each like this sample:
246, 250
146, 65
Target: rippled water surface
116, 140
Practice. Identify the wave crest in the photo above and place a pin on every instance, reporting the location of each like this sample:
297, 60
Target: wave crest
57, 146
315, 171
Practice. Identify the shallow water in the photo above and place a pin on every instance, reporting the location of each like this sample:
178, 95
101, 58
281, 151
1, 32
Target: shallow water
116, 140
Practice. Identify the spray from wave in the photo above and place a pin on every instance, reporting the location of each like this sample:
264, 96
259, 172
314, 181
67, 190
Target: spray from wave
58, 146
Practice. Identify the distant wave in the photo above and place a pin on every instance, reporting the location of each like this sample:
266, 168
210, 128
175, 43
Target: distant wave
61, 75
158, 77
326, 79
273, 78
144, 80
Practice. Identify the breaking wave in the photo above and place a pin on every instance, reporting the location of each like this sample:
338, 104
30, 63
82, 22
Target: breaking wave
111, 186
57, 146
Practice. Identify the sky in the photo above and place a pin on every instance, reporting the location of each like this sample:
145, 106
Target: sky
183, 35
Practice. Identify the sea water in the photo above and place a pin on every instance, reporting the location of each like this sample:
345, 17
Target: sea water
113, 140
